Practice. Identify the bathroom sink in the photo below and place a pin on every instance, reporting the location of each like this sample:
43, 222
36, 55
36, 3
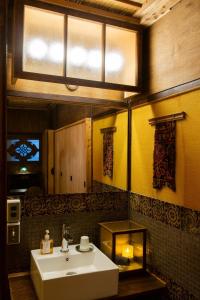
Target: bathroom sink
85, 276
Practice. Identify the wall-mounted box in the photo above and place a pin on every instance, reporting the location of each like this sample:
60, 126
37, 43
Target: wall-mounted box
13, 210
125, 243
13, 233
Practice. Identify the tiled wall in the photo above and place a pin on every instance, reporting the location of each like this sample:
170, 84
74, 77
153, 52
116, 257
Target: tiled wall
173, 232
82, 212
173, 243
99, 187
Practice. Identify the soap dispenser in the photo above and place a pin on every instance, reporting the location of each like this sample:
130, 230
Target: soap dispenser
46, 246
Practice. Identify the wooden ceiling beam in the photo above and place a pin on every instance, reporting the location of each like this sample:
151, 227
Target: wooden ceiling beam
153, 10
130, 2
94, 11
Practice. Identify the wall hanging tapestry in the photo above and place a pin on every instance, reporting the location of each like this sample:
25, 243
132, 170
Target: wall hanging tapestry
108, 150
164, 155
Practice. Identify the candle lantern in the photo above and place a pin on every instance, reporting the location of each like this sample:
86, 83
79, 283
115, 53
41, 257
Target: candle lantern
125, 243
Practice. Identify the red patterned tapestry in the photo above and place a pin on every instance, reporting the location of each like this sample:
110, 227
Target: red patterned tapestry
165, 155
108, 154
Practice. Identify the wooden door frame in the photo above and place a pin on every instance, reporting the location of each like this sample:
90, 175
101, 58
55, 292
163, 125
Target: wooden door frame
4, 287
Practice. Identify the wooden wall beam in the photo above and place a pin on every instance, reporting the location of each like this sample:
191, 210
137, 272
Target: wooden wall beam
168, 118
144, 99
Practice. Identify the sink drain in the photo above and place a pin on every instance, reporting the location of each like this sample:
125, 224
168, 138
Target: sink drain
71, 273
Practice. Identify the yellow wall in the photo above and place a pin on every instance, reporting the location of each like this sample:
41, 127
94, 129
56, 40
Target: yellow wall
187, 150
120, 150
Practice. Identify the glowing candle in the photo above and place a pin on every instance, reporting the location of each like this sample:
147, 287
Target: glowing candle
127, 251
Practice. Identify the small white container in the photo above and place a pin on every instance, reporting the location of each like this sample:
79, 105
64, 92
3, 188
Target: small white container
84, 243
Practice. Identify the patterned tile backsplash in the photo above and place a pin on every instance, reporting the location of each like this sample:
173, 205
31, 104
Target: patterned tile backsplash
67, 204
176, 216
173, 243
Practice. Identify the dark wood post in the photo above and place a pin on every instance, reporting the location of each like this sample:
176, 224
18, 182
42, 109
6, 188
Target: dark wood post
129, 147
4, 289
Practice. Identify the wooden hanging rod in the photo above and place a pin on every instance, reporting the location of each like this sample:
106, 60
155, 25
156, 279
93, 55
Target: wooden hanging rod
173, 117
108, 129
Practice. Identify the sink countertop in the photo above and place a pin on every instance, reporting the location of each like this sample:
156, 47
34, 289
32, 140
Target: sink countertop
136, 287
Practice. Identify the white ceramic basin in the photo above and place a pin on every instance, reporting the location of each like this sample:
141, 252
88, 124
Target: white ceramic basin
85, 276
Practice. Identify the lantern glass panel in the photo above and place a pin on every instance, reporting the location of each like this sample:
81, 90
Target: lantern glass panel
106, 242
124, 242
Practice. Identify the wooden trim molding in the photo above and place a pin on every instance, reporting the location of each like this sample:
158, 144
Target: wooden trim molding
96, 11
109, 113
173, 117
19, 73
144, 99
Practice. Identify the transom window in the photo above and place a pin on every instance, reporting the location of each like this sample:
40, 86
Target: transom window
61, 45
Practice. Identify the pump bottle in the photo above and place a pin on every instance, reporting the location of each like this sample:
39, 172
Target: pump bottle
46, 245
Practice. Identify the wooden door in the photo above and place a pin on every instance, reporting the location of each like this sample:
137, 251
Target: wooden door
61, 161
73, 158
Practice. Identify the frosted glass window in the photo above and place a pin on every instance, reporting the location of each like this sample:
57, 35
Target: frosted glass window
43, 45
121, 56
84, 49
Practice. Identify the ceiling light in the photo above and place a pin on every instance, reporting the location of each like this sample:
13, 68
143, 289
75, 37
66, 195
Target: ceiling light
56, 52
37, 48
94, 59
77, 56
114, 62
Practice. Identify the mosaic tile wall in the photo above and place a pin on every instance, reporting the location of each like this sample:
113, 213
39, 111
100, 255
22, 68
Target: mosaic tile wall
173, 232
82, 212
173, 243
99, 187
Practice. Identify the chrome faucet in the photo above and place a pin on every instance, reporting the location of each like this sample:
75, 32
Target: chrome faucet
66, 238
